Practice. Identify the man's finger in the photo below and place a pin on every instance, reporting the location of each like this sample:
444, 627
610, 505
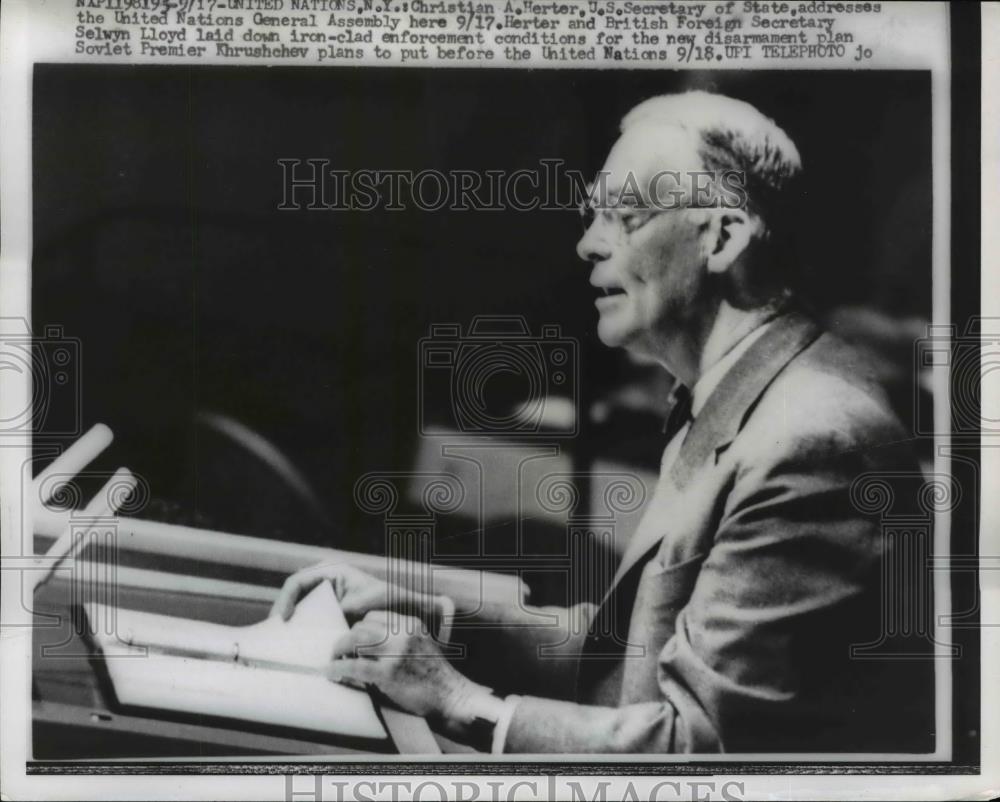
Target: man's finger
360, 636
343, 576
295, 587
400, 624
354, 672
301, 582
345, 646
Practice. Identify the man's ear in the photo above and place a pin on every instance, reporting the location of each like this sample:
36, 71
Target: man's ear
730, 232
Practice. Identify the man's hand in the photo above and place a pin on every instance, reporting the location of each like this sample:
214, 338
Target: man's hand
397, 655
357, 592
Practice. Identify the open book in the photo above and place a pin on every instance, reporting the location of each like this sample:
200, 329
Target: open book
270, 672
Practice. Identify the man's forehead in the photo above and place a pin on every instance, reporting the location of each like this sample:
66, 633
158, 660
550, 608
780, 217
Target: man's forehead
646, 149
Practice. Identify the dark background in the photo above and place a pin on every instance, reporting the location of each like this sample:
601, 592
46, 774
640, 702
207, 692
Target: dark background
159, 244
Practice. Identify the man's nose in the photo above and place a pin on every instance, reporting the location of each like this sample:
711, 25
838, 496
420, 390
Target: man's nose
593, 246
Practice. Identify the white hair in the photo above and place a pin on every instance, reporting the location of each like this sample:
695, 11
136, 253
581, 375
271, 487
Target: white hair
731, 135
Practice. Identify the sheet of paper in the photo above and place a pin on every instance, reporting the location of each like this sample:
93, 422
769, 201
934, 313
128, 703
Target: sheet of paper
210, 687
304, 641
160, 661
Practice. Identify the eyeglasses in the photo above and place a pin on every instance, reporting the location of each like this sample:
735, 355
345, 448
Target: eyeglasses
622, 218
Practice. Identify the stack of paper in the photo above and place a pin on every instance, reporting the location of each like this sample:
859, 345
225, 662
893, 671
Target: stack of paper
271, 672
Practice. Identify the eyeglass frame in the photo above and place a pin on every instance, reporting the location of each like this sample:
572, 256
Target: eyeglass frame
615, 214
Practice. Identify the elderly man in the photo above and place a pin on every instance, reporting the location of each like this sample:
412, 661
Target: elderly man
730, 623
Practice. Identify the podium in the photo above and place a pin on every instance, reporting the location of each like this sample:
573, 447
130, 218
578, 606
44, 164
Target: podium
99, 555
76, 715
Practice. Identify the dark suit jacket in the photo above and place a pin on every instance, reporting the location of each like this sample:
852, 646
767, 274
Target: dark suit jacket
730, 628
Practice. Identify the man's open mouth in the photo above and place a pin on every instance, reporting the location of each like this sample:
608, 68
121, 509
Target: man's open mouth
609, 291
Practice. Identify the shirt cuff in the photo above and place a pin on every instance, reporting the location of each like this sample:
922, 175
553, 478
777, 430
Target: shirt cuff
503, 724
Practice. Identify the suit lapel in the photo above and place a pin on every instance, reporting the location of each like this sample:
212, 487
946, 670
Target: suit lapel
724, 413
727, 408
716, 425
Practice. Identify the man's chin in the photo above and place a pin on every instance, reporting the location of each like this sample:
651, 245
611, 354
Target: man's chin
612, 333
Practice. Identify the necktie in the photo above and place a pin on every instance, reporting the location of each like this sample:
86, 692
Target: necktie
680, 411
